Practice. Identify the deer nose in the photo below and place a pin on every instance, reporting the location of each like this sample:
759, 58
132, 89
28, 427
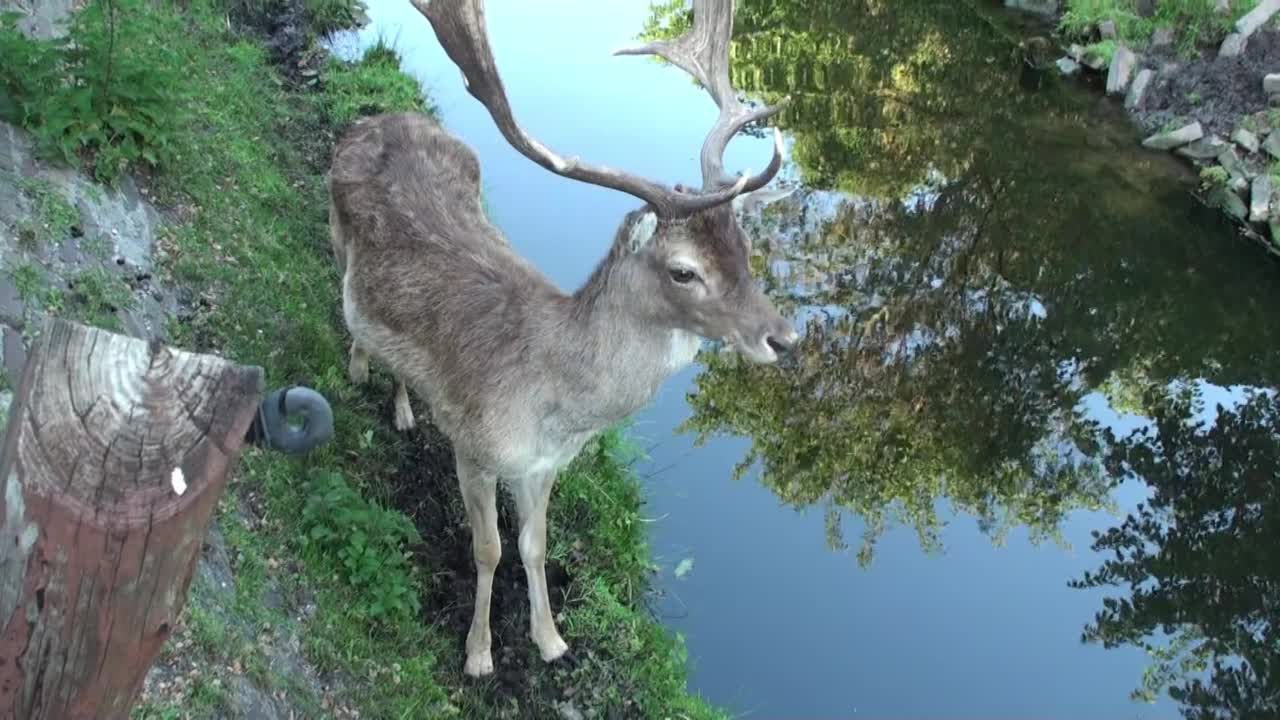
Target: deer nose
782, 343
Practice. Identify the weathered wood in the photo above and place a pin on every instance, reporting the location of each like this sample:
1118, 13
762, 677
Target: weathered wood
113, 462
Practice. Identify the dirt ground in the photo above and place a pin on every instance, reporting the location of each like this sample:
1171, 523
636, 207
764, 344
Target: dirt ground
1216, 91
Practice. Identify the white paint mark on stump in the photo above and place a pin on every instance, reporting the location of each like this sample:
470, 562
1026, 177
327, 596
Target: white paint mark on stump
178, 480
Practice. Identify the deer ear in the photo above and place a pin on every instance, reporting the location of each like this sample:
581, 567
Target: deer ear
642, 231
752, 201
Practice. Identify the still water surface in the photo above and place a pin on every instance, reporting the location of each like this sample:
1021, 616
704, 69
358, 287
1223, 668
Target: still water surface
996, 288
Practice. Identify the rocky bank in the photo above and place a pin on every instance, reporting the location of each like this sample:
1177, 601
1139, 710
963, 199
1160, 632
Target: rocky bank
1215, 107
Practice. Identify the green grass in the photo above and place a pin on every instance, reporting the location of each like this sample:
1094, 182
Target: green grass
248, 169
1194, 22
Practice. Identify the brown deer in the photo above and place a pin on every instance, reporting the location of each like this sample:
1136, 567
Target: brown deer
516, 373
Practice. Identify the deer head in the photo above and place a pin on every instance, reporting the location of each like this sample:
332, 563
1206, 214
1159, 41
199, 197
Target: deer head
685, 248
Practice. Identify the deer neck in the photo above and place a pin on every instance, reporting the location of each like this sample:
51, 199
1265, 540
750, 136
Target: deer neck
619, 344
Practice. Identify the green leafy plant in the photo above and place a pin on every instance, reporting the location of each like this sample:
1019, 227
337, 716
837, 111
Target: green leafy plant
109, 92
373, 85
368, 542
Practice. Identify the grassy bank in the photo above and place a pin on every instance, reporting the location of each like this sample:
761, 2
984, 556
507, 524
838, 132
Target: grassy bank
1191, 24
359, 550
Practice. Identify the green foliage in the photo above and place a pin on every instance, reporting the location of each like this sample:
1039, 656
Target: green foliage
325, 17
1214, 176
96, 295
52, 213
1195, 22
371, 86
110, 91
368, 544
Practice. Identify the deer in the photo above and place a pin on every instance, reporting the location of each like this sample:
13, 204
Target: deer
516, 373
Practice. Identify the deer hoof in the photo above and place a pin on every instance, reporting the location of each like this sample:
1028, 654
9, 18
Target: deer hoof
358, 369
479, 665
404, 415
553, 648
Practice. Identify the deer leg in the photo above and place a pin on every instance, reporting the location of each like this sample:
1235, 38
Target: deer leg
358, 368
404, 411
532, 495
480, 495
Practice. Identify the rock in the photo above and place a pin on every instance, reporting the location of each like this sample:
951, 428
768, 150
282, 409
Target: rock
1260, 198
1229, 202
1238, 184
41, 19
1146, 8
1107, 29
1161, 37
1222, 7
1229, 160
1122, 64
1233, 45
1271, 83
1076, 52
1272, 145
1175, 138
1094, 59
1257, 17
570, 712
1245, 139
1067, 66
14, 352
6, 399
1047, 8
1203, 149
1138, 90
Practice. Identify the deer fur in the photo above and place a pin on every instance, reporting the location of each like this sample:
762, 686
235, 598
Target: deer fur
518, 374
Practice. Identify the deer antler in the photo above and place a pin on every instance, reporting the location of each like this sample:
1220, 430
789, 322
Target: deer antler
460, 27
703, 52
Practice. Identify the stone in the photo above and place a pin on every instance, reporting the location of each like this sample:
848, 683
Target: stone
1138, 90
1122, 64
41, 19
1107, 29
1161, 37
1238, 184
1257, 17
1204, 148
1271, 83
1230, 161
1076, 52
1245, 139
1260, 198
1175, 138
6, 399
14, 352
1146, 8
1222, 7
1094, 59
1229, 202
1233, 45
1272, 145
1067, 66
1047, 8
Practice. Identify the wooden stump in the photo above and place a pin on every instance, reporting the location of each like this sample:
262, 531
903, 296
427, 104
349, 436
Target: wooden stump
113, 462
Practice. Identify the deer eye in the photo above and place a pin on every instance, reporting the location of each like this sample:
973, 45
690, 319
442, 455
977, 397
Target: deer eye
682, 275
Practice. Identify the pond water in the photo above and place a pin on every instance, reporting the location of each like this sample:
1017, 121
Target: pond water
996, 287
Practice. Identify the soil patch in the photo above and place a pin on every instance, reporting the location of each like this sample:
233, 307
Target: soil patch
427, 491
1217, 91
